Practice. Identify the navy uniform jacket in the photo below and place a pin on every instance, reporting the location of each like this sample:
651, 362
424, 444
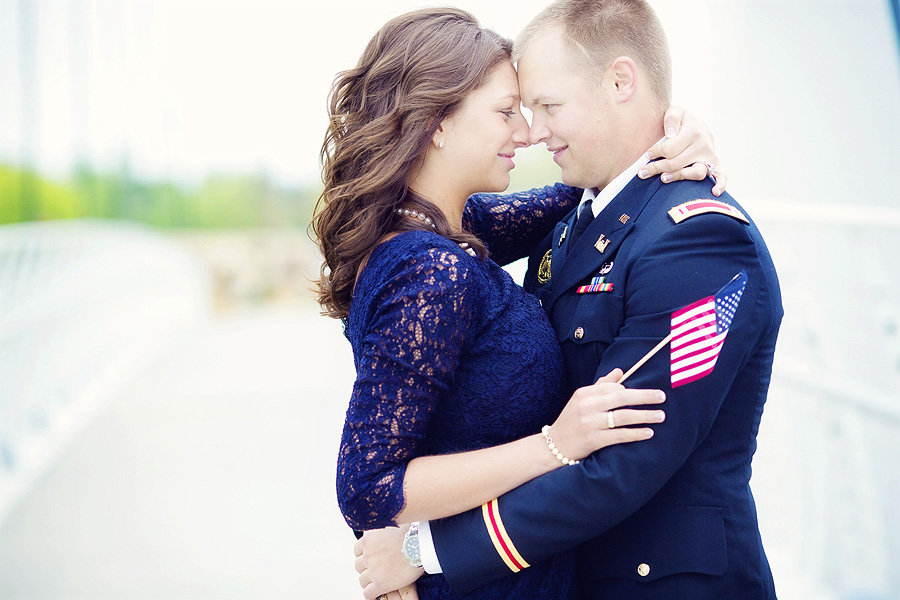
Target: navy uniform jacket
671, 517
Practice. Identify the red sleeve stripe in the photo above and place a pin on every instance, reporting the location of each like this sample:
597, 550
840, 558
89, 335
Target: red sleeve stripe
501, 540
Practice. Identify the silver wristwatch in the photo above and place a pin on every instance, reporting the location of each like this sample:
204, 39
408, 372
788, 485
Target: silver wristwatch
410, 547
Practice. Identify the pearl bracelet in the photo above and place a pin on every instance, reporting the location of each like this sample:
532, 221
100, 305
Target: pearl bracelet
545, 431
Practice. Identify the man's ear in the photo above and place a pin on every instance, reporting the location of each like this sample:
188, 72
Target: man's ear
623, 76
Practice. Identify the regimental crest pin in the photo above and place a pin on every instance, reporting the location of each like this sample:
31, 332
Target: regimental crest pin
562, 236
543, 274
601, 243
624, 218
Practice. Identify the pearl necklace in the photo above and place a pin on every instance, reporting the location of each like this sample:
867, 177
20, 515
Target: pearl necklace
405, 212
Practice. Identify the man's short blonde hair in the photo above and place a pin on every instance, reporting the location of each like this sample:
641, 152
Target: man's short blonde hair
606, 29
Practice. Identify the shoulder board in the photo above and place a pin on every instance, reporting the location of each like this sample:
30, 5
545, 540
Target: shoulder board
698, 207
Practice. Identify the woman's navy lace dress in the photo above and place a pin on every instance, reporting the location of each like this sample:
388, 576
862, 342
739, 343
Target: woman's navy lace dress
451, 355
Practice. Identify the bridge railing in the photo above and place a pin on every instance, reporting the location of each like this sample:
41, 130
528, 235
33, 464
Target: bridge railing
84, 304
827, 472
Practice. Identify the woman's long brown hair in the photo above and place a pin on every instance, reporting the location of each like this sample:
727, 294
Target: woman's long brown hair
382, 115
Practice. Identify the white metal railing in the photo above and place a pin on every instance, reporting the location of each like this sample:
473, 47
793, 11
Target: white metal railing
83, 305
827, 472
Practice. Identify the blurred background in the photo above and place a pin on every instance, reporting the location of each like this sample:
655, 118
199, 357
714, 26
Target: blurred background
171, 400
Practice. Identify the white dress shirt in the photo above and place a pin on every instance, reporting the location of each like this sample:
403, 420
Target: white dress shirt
600, 198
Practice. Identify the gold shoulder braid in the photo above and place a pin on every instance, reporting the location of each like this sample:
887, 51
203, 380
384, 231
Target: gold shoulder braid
543, 274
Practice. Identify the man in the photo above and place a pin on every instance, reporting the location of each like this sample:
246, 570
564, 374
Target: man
672, 517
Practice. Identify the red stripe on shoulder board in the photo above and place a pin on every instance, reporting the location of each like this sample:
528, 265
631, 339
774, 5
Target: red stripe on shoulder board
702, 206
706, 204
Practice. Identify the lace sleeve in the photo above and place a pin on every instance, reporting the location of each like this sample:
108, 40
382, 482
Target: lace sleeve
408, 355
513, 224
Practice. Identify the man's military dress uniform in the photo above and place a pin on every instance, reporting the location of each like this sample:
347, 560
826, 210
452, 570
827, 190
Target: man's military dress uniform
672, 517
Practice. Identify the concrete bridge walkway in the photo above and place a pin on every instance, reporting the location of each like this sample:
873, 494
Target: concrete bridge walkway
210, 476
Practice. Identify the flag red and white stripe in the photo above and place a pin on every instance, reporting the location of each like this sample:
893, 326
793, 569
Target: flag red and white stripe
699, 330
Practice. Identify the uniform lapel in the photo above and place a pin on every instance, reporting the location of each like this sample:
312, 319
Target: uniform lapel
557, 252
560, 250
584, 257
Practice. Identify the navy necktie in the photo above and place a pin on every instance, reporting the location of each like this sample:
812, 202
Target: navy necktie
585, 217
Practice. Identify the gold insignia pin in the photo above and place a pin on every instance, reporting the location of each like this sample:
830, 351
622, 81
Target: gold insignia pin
562, 236
543, 274
624, 218
601, 243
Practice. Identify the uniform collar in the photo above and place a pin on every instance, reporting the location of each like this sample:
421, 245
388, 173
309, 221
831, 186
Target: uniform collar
602, 198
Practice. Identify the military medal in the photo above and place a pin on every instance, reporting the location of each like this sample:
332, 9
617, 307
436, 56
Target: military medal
601, 243
543, 274
563, 236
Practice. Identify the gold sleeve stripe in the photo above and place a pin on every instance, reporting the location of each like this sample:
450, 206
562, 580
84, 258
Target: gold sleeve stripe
501, 540
496, 541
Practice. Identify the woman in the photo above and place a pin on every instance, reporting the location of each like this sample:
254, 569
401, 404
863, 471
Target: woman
457, 367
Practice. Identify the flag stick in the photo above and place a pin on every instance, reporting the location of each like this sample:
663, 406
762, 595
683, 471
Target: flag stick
647, 357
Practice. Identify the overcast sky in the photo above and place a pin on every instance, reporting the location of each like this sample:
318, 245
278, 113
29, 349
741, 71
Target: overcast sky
184, 87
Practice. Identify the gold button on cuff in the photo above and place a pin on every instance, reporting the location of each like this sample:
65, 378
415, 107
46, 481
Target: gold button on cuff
579, 333
643, 569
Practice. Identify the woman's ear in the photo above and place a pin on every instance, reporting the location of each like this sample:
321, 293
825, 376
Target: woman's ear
438, 138
623, 74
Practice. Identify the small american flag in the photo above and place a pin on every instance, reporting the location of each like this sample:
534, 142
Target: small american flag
699, 330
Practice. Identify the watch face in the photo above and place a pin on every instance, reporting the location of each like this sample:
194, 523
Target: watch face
411, 548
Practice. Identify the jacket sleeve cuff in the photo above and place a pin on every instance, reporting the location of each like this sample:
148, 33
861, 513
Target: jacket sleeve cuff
426, 547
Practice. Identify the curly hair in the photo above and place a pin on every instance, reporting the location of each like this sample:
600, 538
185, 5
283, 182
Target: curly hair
414, 73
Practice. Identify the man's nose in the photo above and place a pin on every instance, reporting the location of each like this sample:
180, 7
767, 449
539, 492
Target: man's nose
539, 132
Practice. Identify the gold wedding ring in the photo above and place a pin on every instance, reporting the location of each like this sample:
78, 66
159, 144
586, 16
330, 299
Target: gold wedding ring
610, 420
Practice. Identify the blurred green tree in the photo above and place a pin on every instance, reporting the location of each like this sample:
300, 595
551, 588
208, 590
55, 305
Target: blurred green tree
231, 201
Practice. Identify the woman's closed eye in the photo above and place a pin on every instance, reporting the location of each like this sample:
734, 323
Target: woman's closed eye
508, 113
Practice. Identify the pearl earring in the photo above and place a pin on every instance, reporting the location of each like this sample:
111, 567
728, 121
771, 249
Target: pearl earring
441, 144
